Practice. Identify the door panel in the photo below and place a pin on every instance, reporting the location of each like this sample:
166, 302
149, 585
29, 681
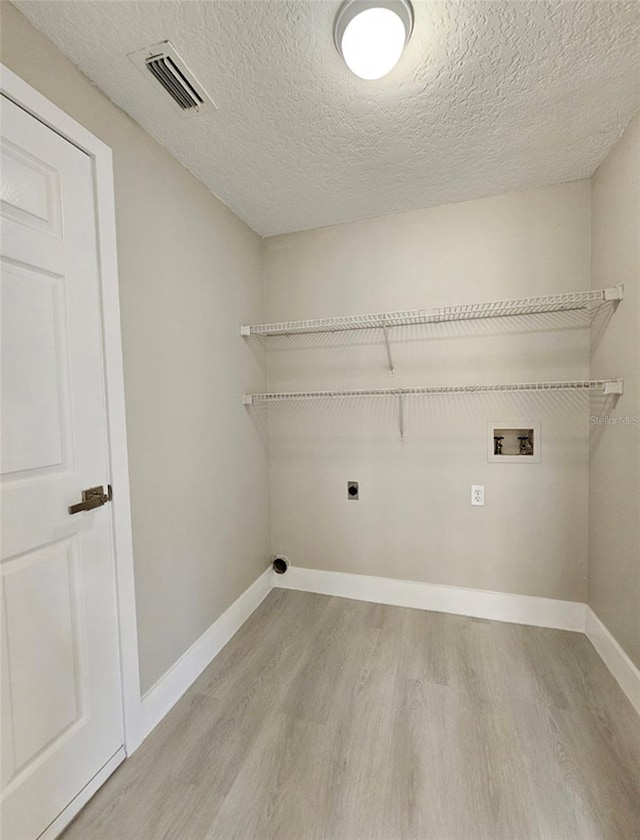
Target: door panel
61, 710
33, 370
30, 190
46, 656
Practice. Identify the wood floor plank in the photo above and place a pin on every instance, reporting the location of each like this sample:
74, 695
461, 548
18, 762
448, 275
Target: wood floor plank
423, 652
330, 719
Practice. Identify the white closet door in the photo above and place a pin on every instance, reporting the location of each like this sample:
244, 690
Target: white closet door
61, 703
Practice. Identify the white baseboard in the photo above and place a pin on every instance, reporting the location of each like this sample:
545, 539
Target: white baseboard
616, 660
171, 686
478, 603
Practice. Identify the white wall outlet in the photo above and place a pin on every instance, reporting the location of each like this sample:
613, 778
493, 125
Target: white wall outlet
477, 494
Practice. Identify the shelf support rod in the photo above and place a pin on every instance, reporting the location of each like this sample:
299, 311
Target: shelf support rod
401, 415
388, 346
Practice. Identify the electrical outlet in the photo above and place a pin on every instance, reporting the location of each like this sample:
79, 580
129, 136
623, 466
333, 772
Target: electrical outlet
477, 494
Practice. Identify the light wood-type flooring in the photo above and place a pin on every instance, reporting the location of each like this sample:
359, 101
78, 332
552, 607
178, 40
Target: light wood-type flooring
331, 719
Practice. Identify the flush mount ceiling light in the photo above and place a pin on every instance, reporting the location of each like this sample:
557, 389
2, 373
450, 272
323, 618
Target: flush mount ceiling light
371, 34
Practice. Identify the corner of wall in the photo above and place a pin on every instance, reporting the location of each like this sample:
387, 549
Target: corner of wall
613, 583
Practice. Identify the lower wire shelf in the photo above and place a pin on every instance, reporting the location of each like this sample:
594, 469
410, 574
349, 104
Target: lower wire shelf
604, 386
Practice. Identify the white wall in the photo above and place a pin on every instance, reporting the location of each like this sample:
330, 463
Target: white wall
414, 519
614, 481
190, 273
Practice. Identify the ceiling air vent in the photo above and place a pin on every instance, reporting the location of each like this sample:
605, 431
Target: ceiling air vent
162, 63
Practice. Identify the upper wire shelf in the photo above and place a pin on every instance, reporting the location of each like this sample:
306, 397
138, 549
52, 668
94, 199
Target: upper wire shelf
562, 302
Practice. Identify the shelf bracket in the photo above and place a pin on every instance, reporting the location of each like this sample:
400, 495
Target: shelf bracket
247, 399
614, 387
401, 416
388, 346
245, 329
615, 292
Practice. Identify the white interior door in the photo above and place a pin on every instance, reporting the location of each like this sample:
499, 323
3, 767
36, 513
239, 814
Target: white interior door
61, 695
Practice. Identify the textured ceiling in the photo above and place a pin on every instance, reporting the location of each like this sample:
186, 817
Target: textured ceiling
488, 97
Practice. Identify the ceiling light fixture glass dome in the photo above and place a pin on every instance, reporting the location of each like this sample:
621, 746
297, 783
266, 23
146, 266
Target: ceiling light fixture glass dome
371, 35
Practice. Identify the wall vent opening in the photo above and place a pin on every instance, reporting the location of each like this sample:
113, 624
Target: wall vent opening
162, 63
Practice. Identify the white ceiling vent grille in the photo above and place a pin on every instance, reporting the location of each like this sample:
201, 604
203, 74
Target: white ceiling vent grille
162, 63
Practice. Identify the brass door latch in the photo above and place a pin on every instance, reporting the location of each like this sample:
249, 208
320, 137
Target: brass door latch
92, 498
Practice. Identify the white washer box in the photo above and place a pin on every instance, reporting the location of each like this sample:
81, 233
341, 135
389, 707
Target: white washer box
514, 443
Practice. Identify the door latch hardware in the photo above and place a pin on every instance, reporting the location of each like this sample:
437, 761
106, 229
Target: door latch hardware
92, 498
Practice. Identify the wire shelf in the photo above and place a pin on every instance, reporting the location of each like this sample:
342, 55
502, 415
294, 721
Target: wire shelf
606, 386
562, 302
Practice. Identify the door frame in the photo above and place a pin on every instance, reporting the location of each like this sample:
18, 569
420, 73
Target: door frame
30, 100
